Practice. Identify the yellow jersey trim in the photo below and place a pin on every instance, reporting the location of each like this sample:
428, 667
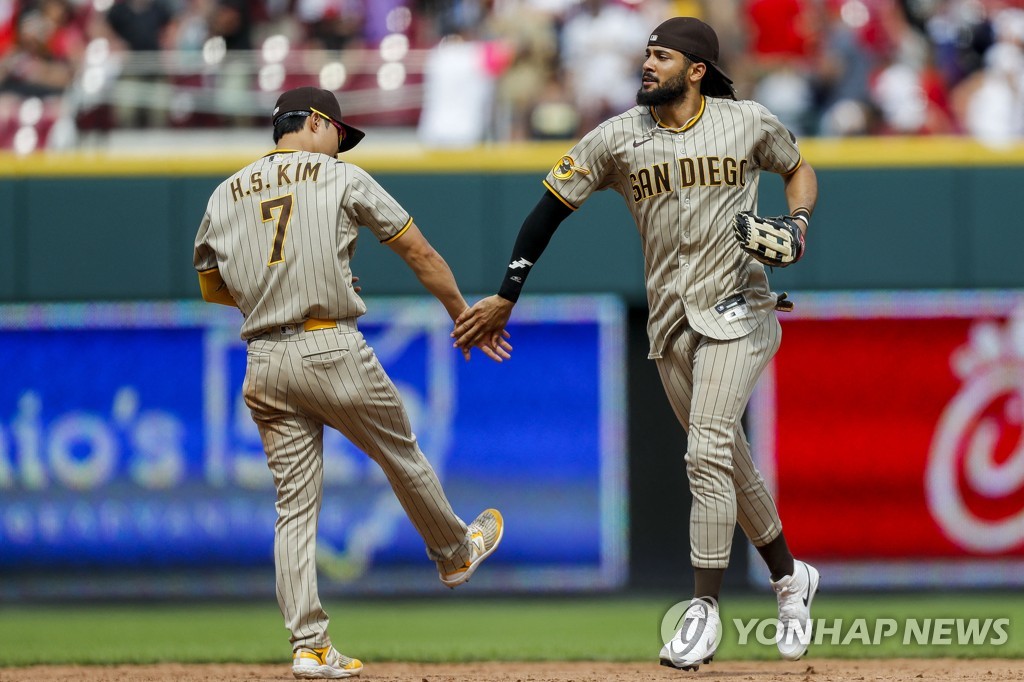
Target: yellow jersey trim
689, 124
398, 234
557, 195
213, 288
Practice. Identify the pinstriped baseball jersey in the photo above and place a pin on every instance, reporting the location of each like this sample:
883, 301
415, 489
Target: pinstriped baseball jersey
281, 233
280, 270
683, 187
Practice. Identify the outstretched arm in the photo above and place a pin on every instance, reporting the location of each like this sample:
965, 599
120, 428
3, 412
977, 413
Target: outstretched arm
437, 278
484, 321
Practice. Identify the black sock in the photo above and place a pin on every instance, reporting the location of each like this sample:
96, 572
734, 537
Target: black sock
707, 582
778, 557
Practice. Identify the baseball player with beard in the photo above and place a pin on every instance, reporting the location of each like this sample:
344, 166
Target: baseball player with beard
687, 161
276, 242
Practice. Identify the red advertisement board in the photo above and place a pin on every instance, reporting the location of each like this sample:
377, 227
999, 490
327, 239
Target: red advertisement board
890, 427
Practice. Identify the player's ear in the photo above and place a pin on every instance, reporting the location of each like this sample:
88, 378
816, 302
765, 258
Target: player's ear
697, 71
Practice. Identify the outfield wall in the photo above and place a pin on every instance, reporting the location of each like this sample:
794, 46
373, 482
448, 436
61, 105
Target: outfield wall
899, 213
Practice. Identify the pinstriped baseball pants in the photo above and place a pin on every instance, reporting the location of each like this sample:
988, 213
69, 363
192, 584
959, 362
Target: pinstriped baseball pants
294, 387
708, 383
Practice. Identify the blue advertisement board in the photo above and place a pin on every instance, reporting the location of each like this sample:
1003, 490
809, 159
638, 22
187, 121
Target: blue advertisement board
129, 463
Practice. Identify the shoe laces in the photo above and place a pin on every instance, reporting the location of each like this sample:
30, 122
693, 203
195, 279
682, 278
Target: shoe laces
790, 604
343, 660
483, 532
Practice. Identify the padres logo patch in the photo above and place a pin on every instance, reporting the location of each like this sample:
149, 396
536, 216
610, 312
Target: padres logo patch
565, 168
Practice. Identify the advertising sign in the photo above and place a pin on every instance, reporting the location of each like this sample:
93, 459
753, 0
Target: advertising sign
890, 427
129, 461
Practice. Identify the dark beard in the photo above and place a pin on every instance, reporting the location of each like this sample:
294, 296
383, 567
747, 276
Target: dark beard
670, 91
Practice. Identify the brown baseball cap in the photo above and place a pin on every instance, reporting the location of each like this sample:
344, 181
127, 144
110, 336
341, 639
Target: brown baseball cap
695, 38
323, 102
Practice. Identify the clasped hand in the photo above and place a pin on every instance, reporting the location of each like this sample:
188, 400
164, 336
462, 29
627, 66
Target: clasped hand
483, 326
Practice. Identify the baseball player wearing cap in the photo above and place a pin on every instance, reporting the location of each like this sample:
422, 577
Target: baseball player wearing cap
687, 161
276, 241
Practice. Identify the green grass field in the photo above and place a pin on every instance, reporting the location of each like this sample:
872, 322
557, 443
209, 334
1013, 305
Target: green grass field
462, 629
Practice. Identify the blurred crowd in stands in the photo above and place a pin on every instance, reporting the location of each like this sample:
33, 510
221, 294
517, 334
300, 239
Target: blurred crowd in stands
543, 69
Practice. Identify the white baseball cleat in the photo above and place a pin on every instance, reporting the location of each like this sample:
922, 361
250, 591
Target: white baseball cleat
795, 593
697, 639
484, 536
324, 664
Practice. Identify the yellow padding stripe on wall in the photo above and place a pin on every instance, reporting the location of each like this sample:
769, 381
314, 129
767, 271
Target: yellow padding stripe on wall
537, 157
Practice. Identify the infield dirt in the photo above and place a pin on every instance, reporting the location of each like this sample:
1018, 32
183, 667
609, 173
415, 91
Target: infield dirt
892, 670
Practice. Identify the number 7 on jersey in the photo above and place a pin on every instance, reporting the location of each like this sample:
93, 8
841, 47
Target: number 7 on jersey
283, 205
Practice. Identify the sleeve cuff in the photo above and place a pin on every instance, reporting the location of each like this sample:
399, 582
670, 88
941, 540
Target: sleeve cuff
398, 234
560, 197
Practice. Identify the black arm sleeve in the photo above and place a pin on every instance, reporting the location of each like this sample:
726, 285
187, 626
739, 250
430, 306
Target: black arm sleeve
533, 238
